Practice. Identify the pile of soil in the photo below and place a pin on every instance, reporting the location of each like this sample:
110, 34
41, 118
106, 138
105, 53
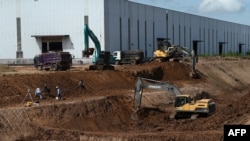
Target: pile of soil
103, 110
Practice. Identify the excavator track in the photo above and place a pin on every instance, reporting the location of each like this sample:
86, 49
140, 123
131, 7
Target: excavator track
101, 67
194, 116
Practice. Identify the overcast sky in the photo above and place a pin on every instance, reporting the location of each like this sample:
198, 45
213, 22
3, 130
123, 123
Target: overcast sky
237, 11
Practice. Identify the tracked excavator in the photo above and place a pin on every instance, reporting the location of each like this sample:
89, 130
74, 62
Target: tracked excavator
166, 51
102, 60
185, 106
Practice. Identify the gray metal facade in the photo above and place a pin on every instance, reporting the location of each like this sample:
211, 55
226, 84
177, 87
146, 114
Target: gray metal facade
118, 24
138, 26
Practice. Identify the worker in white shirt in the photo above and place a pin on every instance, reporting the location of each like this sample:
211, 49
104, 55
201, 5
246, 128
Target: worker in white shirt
59, 93
38, 92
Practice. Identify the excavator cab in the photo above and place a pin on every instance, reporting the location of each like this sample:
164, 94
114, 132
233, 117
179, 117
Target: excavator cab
163, 43
181, 101
186, 106
161, 54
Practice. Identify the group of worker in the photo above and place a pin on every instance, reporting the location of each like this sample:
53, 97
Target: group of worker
46, 89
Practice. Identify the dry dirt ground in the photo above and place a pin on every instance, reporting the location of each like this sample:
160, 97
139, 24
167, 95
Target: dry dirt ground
102, 112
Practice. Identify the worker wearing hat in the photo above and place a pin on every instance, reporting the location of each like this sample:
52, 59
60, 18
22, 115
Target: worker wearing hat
38, 93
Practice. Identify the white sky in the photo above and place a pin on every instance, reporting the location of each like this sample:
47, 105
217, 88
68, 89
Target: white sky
237, 11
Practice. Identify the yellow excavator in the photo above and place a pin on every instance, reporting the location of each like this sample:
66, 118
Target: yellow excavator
165, 51
185, 106
188, 106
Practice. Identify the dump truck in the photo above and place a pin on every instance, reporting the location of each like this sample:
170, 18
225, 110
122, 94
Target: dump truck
128, 57
53, 61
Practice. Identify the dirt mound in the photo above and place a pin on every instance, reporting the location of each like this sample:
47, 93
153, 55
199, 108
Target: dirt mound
236, 112
103, 110
96, 117
167, 71
14, 87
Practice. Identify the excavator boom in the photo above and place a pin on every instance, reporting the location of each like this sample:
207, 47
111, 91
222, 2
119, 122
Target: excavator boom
102, 60
88, 51
157, 85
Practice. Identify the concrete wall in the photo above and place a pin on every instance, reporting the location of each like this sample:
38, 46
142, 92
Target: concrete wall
8, 39
118, 24
46, 17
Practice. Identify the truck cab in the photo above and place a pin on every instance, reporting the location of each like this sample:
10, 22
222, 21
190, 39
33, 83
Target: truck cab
117, 56
128, 57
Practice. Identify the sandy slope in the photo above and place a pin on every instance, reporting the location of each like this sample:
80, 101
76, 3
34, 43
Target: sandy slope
103, 110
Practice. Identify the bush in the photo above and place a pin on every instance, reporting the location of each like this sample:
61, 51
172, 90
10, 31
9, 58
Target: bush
6, 68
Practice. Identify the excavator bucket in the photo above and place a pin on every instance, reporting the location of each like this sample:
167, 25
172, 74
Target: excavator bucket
134, 115
194, 75
88, 52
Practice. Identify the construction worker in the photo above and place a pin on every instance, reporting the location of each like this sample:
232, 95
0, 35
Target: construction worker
47, 89
81, 85
59, 93
38, 93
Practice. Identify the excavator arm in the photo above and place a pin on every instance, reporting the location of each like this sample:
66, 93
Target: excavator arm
153, 84
186, 51
102, 60
89, 51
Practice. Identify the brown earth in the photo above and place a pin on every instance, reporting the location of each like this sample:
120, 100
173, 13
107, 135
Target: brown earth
103, 110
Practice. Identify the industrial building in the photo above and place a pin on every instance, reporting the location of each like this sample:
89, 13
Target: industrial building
30, 27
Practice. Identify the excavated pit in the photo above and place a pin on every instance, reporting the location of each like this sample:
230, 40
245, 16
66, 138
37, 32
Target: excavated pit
102, 112
103, 118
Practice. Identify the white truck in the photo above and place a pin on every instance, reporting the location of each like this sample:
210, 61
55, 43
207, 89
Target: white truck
128, 57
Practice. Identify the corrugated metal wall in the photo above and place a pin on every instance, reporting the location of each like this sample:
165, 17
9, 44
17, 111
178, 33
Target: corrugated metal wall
131, 26
185, 28
138, 27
